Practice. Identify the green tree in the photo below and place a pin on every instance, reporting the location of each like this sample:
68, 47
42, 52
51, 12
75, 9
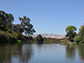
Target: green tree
80, 36
71, 32
17, 28
13, 32
39, 39
30, 38
26, 26
6, 21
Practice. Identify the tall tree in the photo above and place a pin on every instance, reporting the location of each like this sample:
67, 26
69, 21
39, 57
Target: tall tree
5, 21
26, 26
71, 32
80, 36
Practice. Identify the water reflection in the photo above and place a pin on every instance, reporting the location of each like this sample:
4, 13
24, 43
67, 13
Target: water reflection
81, 52
75, 53
5, 54
41, 53
11, 53
70, 52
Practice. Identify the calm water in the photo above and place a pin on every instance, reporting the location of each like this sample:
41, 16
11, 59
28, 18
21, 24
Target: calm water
45, 53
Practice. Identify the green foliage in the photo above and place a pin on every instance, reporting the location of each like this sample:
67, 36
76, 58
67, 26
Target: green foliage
9, 30
6, 37
5, 21
14, 32
34, 41
74, 43
26, 26
71, 28
71, 32
79, 39
39, 39
17, 28
30, 38
19, 36
19, 41
50, 40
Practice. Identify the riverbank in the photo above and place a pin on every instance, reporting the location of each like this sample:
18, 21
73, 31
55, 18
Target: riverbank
58, 41
54, 41
11, 38
6, 37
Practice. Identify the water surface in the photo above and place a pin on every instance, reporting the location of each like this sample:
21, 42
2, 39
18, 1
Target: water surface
41, 53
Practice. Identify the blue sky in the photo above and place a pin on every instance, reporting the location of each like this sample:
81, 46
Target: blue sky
47, 16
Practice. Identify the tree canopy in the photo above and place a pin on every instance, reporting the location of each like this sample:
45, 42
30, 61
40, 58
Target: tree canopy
71, 32
39, 38
26, 26
14, 30
6, 21
80, 36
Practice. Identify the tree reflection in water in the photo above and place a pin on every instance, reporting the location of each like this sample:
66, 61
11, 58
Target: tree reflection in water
70, 52
23, 53
5, 54
20, 53
81, 51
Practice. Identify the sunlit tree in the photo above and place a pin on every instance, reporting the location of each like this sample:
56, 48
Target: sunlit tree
80, 36
71, 32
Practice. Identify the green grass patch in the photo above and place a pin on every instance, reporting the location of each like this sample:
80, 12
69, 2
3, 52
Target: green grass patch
19, 41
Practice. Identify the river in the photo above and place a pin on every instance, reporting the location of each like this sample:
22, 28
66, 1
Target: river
41, 53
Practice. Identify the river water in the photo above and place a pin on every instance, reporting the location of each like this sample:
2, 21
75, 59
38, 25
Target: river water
41, 53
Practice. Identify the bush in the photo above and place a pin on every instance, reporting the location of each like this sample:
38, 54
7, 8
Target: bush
6, 37
19, 36
77, 39
34, 41
19, 41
